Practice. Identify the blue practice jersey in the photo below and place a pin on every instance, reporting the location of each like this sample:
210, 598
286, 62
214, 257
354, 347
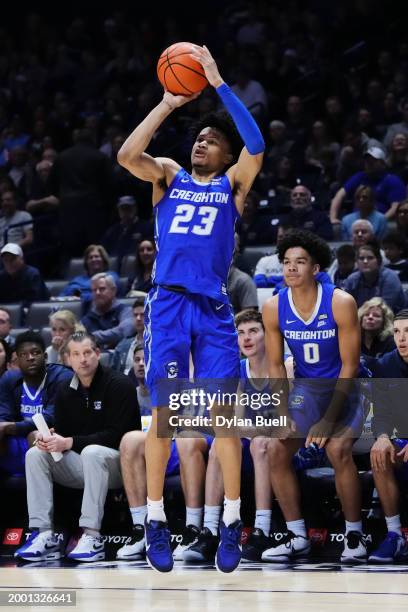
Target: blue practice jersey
314, 343
194, 233
31, 402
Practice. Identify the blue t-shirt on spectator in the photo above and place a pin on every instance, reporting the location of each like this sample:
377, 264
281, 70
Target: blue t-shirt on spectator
377, 220
388, 188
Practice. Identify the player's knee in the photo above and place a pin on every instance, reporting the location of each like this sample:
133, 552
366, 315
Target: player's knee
259, 449
278, 454
93, 453
339, 454
132, 443
188, 447
34, 456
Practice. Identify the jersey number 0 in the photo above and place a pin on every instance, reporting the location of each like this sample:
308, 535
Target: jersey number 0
184, 215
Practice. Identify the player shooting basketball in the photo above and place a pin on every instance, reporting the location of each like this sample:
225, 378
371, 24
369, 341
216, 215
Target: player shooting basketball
188, 308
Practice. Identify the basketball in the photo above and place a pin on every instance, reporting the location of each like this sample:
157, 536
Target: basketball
178, 72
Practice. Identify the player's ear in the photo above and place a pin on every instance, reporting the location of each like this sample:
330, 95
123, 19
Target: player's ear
316, 269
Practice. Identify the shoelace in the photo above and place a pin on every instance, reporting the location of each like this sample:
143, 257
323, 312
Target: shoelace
40, 539
159, 534
230, 539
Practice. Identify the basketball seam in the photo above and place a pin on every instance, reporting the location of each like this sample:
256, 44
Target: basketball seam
178, 80
189, 68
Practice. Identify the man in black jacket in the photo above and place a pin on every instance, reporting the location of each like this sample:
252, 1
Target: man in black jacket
92, 412
23, 393
389, 454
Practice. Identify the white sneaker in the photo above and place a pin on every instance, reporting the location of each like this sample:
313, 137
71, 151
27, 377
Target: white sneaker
190, 537
89, 548
355, 548
293, 546
40, 546
136, 548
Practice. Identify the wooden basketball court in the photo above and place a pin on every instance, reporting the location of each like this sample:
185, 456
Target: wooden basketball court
116, 587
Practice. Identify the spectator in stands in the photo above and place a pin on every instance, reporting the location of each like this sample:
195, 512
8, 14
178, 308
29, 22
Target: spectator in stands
5, 356
145, 257
19, 282
93, 411
388, 188
107, 319
279, 145
252, 228
389, 455
402, 218
373, 280
15, 225
322, 152
346, 263
82, 179
398, 156
63, 324
122, 358
304, 216
122, 238
41, 199
251, 93
269, 269
351, 158
376, 322
26, 391
5, 326
364, 203
96, 260
398, 128
395, 247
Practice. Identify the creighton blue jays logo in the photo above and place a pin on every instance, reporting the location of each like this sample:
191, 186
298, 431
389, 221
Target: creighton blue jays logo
98, 405
172, 369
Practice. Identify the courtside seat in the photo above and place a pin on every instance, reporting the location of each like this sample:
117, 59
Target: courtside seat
39, 312
55, 286
15, 313
128, 266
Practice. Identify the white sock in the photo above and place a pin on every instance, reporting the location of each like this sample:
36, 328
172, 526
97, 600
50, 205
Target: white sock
212, 518
263, 521
138, 514
297, 527
194, 516
155, 510
354, 526
231, 511
394, 523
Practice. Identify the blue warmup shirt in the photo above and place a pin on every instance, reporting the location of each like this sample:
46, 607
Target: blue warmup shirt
194, 234
31, 400
313, 343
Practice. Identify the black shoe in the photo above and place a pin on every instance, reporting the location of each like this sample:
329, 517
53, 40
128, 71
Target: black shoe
204, 549
190, 537
256, 544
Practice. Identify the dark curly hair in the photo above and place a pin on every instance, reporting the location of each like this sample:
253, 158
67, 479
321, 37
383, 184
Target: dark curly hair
317, 248
222, 122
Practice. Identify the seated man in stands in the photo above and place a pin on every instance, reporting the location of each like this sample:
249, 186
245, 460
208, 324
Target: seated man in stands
92, 412
19, 282
24, 392
107, 319
121, 239
17, 223
269, 270
389, 455
122, 358
304, 215
188, 456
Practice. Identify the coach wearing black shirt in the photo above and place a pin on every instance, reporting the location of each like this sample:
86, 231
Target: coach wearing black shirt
92, 413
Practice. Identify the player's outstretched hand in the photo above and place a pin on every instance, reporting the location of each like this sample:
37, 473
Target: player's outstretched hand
403, 453
318, 434
202, 55
173, 101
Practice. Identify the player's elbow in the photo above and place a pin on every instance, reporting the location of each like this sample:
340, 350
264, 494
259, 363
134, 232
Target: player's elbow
123, 157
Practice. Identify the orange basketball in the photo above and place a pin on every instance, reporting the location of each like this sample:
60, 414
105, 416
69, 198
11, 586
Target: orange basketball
178, 72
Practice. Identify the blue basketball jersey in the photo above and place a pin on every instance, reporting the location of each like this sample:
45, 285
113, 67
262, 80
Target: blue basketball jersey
194, 234
249, 387
314, 343
31, 401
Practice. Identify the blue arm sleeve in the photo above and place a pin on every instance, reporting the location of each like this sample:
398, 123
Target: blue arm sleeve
246, 124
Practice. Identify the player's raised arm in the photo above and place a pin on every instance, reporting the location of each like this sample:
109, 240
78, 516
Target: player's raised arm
132, 154
243, 173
